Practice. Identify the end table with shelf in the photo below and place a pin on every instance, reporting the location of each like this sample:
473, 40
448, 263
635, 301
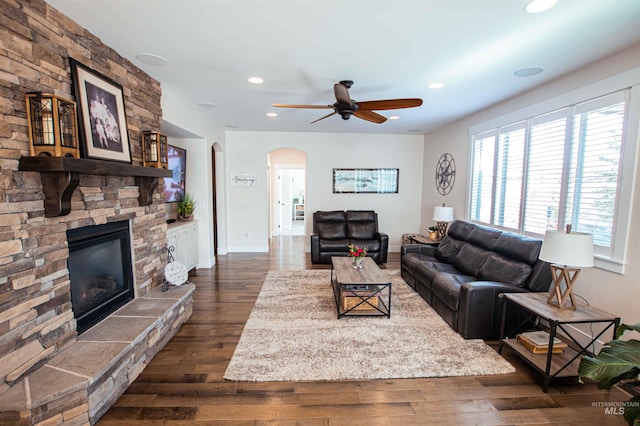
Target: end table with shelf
550, 364
422, 239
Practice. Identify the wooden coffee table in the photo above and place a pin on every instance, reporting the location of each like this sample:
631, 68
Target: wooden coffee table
360, 292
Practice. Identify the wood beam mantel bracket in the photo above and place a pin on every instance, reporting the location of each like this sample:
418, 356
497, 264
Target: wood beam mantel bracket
58, 188
146, 186
61, 176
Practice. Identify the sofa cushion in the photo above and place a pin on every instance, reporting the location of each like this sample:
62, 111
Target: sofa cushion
334, 245
518, 247
330, 216
411, 260
460, 230
360, 215
330, 224
332, 230
361, 224
361, 230
501, 269
448, 249
484, 237
470, 258
446, 287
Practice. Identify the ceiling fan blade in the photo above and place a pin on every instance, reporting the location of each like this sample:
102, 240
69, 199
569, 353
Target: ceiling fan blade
302, 106
371, 116
390, 104
342, 93
326, 116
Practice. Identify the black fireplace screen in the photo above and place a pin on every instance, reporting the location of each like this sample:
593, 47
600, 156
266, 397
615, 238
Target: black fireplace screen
100, 271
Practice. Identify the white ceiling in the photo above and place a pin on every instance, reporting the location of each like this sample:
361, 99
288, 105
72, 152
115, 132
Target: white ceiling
390, 48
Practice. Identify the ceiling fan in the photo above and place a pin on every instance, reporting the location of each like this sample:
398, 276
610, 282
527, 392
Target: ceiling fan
346, 107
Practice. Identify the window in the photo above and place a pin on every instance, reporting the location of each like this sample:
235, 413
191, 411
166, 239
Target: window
559, 168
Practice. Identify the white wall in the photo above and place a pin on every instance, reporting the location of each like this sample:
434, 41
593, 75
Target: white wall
618, 294
205, 132
248, 207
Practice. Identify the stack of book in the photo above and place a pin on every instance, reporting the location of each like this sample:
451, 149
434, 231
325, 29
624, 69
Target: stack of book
538, 342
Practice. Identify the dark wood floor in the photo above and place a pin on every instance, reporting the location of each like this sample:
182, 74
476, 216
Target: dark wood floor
183, 384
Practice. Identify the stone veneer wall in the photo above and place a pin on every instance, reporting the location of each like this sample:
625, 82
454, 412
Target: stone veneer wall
36, 320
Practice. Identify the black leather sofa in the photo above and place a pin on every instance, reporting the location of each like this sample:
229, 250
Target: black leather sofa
462, 277
333, 231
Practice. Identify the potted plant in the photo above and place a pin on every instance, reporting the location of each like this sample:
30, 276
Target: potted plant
618, 361
433, 232
186, 206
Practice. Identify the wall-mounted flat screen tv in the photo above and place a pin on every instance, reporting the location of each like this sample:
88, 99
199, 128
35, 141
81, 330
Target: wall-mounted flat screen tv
174, 186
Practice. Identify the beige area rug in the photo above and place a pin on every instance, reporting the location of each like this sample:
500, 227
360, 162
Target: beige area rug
293, 334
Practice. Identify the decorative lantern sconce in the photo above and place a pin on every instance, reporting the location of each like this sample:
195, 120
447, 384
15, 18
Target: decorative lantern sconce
53, 126
155, 149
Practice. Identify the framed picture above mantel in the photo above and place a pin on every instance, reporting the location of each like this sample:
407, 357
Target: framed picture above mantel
101, 114
361, 181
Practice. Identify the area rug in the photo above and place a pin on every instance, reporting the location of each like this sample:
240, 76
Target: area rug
293, 333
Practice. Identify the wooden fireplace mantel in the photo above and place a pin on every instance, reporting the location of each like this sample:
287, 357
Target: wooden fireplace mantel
61, 175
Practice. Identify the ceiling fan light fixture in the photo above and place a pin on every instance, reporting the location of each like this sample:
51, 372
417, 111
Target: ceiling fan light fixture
436, 85
255, 80
539, 6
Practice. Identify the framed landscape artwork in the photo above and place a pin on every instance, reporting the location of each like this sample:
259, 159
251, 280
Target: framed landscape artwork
357, 181
174, 186
100, 105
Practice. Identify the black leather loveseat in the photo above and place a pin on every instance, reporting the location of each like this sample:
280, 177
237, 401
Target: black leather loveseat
462, 277
333, 231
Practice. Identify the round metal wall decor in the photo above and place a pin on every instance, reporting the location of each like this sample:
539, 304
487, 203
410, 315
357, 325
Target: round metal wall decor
445, 173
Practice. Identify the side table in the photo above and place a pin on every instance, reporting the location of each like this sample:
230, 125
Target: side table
559, 364
422, 239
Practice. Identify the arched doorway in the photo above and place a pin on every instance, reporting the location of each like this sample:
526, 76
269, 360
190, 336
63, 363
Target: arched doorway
287, 191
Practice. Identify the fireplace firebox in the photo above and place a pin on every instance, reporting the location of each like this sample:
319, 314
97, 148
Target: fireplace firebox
100, 271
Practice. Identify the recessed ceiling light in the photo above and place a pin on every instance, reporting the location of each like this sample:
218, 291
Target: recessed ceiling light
206, 105
414, 130
151, 59
538, 6
394, 117
232, 126
436, 85
255, 80
528, 72
272, 114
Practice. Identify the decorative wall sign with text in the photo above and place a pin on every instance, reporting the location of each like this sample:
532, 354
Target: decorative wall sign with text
242, 179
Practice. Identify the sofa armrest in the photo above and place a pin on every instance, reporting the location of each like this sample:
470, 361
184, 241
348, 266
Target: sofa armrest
480, 309
315, 248
384, 246
418, 248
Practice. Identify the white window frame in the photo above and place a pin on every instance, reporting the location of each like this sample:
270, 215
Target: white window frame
630, 80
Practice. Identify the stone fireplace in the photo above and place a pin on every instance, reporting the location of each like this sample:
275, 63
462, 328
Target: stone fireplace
40, 349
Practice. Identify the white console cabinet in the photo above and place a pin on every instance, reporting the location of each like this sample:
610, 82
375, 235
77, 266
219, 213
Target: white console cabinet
183, 236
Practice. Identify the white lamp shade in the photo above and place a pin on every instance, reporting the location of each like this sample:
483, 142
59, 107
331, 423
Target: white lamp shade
569, 249
443, 214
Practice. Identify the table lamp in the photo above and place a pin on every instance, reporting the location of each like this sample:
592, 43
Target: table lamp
442, 215
567, 252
